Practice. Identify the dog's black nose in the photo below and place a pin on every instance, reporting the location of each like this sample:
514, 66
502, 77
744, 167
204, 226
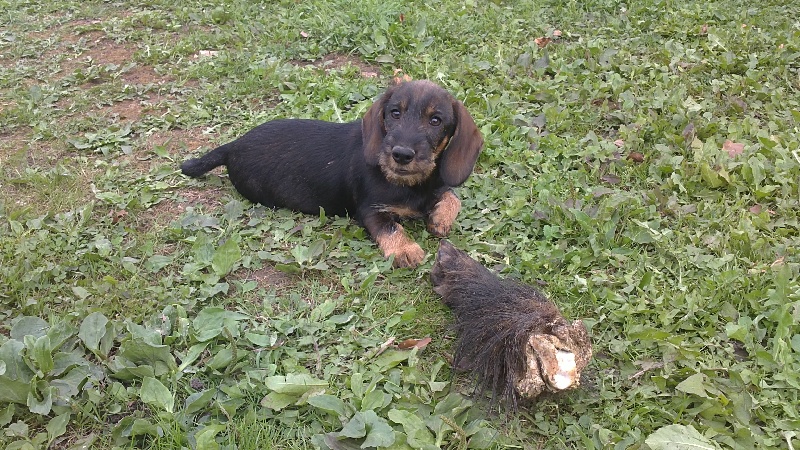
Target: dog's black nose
402, 155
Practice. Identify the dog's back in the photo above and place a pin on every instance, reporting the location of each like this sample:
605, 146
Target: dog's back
292, 163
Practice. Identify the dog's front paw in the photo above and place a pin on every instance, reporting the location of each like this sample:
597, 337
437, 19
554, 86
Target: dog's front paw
439, 229
444, 214
407, 253
409, 256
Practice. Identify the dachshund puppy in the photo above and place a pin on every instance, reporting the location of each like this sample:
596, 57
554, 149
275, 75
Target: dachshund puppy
400, 162
512, 338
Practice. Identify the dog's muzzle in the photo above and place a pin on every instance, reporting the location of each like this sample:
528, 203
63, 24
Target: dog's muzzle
402, 155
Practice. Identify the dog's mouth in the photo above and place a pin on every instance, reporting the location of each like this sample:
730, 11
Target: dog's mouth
411, 173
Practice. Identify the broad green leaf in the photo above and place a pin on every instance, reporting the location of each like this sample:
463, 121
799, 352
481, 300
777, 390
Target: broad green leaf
483, 438
262, 340
400, 442
694, 384
679, 437
225, 257
391, 358
70, 384
233, 210
43, 354
209, 322
417, 433
29, 326
222, 358
143, 427
197, 401
710, 176
322, 311
157, 262
796, 343
191, 356
355, 427
57, 426
300, 253
156, 394
296, 384
40, 398
81, 292
330, 404
84, 443
334, 441
92, 330
139, 352
375, 400
276, 401
379, 433
13, 391
7, 414
148, 335
206, 437
60, 333
22, 445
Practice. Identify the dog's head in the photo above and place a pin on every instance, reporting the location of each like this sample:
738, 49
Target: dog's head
416, 127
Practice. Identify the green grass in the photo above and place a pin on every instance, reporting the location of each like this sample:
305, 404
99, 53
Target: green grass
644, 165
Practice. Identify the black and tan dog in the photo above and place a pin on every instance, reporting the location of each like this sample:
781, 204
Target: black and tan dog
400, 162
512, 338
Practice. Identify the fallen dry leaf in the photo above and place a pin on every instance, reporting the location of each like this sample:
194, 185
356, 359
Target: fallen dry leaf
704, 29
542, 41
645, 366
636, 157
384, 346
734, 149
619, 143
556, 33
756, 209
116, 216
206, 53
402, 17
414, 343
610, 178
688, 132
304, 34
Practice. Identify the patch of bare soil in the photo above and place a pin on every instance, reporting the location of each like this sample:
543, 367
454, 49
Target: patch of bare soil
267, 277
336, 61
178, 144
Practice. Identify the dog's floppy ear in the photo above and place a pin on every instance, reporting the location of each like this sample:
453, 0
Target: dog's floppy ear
372, 128
459, 157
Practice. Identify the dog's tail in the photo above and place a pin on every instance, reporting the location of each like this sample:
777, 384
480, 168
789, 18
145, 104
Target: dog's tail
196, 167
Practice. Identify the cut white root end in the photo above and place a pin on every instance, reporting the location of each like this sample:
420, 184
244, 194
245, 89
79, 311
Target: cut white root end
567, 371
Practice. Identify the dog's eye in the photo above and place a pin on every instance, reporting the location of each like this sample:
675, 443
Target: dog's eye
395, 113
435, 121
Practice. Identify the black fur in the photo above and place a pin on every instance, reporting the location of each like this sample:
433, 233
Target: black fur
392, 165
494, 318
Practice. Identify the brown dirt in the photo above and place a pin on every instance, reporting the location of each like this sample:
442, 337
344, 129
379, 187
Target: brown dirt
336, 61
267, 277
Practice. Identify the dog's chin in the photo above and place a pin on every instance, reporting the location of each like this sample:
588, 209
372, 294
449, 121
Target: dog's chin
406, 176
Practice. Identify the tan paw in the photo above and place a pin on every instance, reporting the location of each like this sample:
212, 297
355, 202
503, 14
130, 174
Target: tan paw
407, 253
444, 214
408, 256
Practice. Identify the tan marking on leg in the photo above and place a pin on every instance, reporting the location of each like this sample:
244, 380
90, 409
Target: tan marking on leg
401, 211
444, 214
407, 253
